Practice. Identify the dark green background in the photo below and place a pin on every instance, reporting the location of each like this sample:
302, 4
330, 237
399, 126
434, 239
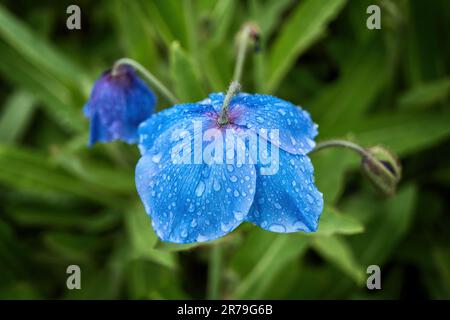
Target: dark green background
62, 203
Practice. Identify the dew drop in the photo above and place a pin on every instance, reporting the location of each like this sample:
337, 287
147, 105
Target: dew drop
202, 238
238, 215
224, 227
157, 157
275, 227
300, 226
200, 189
216, 185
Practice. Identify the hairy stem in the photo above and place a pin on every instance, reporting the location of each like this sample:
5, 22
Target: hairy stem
242, 48
233, 89
340, 143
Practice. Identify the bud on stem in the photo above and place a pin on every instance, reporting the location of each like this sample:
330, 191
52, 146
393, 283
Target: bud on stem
148, 76
381, 166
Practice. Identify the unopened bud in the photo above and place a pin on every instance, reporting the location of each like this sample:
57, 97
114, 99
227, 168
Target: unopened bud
252, 31
382, 168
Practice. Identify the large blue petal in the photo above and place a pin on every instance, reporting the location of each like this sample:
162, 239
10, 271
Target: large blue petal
258, 111
287, 201
193, 202
177, 117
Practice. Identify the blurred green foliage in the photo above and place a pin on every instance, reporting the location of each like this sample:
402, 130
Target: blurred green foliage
62, 203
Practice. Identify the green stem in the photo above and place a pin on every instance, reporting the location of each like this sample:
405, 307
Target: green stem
342, 144
242, 48
214, 272
149, 76
233, 89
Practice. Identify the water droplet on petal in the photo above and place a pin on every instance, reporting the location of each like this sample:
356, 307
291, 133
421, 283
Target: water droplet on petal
200, 189
275, 227
224, 227
277, 205
238, 215
300, 226
157, 157
216, 185
233, 178
201, 238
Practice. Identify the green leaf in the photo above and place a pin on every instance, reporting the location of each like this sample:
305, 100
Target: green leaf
278, 251
63, 218
37, 51
332, 222
330, 168
168, 18
33, 173
61, 104
425, 95
441, 260
74, 247
302, 28
97, 173
169, 246
16, 116
143, 238
403, 133
336, 250
135, 31
222, 18
188, 86
347, 99
390, 221
268, 15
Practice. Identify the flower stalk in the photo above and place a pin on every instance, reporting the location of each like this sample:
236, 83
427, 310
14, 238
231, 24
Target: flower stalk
249, 32
379, 165
233, 89
214, 272
154, 82
341, 144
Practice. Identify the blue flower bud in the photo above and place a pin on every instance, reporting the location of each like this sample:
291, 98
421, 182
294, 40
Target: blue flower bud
118, 103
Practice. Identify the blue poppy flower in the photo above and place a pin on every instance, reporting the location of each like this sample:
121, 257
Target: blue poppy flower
118, 103
200, 180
